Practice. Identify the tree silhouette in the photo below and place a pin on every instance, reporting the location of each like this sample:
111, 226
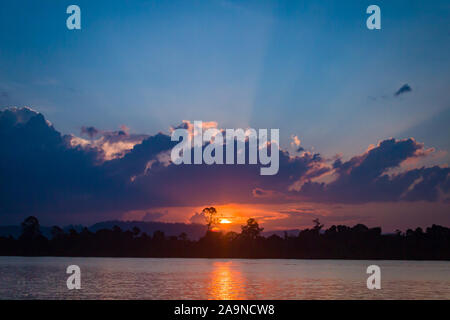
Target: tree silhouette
30, 228
136, 231
251, 230
336, 242
317, 225
183, 236
211, 217
159, 236
57, 232
231, 236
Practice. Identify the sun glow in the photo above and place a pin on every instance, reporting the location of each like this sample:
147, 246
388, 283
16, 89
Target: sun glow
225, 221
227, 282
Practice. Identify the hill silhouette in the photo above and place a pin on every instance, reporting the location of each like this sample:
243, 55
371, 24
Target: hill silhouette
194, 231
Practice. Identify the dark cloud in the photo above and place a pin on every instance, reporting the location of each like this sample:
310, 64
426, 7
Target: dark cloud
42, 172
364, 178
89, 131
269, 194
153, 216
403, 89
38, 171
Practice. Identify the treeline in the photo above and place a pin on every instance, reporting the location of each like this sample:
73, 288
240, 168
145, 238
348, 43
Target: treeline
336, 242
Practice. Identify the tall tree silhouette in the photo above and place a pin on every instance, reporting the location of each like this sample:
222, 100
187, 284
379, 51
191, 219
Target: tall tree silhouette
317, 225
251, 230
30, 228
211, 217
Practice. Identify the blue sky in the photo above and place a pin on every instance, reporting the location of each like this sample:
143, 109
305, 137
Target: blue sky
310, 68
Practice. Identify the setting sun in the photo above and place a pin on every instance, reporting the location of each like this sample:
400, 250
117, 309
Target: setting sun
225, 221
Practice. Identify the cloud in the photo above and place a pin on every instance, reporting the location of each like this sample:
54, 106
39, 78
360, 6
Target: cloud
268, 194
110, 144
365, 178
295, 143
89, 131
43, 172
38, 171
403, 89
198, 217
153, 216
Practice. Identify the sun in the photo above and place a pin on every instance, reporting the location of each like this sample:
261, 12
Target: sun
225, 221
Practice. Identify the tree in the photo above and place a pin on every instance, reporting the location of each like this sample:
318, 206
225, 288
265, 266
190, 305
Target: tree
317, 225
135, 231
251, 230
231, 236
183, 236
210, 216
30, 228
116, 229
159, 236
57, 232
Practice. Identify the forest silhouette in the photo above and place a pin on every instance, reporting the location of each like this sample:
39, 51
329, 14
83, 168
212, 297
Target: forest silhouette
336, 242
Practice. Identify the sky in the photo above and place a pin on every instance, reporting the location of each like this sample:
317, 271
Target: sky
310, 68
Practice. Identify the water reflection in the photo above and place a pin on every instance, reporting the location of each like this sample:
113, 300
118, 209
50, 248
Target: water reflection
227, 282
117, 278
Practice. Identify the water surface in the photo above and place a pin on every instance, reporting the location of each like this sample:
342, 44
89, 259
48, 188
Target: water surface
148, 278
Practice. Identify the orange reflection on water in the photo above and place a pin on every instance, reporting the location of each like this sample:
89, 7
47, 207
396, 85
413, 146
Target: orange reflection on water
227, 282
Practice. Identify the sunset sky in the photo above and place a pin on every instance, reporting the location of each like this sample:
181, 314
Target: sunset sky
363, 114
